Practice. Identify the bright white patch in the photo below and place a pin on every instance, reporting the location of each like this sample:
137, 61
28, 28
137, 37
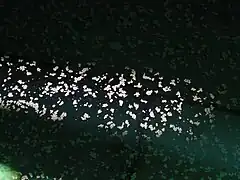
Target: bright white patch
120, 102
149, 92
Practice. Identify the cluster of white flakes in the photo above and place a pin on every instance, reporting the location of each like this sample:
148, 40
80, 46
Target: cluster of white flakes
30, 176
61, 86
85, 116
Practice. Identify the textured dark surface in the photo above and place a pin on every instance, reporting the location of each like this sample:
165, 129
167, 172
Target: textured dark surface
192, 42
198, 41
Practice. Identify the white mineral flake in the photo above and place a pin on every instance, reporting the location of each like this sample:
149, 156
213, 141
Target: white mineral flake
120, 102
149, 92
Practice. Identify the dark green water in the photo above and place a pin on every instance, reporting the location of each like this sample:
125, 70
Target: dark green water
205, 50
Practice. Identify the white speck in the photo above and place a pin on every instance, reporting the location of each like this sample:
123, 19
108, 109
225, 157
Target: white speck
136, 106
105, 105
77, 79
64, 114
55, 68
20, 82
160, 84
121, 127
99, 111
163, 118
167, 89
69, 70
109, 122
151, 127
112, 125
134, 116
212, 96
105, 116
29, 73
146, 77
137, 94
200, 90
107, 88
157, 109
24, 86
112, 110
195, 98
75, 102
187, 81
85, 116
143, 101
133, 75
149, 92
178, 94
152, 115
10, 94
127, 123
22, 68
130, 106
124, 133
52, 74
138, 85
144, 125
193, 89
120, 102
101, 125
173, 82
61, 103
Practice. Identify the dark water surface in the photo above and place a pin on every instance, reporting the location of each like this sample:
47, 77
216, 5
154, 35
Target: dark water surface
190, 46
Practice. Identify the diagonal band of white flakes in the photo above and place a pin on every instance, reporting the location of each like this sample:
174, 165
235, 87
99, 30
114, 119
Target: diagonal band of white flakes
126, 103
56, 93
